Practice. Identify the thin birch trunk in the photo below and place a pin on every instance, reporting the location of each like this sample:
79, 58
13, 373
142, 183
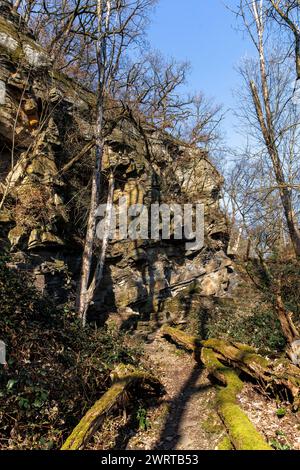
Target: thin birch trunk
109, 207
89, 283
87, 256
98, 273
17, 4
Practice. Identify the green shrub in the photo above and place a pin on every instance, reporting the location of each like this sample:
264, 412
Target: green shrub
261, 329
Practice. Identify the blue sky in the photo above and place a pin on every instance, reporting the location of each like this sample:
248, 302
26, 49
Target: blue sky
204, 32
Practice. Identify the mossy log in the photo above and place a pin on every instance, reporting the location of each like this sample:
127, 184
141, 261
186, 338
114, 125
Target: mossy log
280, 376
123, 376
242, 433
225, 444
188, 342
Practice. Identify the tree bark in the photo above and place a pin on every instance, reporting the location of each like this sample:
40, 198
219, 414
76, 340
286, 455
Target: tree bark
187, 342
87, 256
285, 317
284, 191
84, 296
16, 4
294, 29
242, 433
98, 273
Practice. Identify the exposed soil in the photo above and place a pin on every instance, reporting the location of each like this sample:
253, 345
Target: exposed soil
185, 418
283, 432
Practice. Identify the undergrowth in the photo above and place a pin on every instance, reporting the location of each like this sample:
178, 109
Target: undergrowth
261, 329
55, 369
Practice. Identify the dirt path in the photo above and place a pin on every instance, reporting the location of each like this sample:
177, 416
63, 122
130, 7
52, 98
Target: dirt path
185, 418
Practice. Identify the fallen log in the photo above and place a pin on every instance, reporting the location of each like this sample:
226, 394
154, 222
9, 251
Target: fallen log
241, 432
285, 317
225, 444
122, 377
188, 342
280, 376
242, 435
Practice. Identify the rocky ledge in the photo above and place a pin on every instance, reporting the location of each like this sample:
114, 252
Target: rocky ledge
46, 133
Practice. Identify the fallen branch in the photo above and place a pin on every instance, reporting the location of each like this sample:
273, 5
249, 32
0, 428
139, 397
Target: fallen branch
123, 376
77, 157
188, 342
242, 433
278, 376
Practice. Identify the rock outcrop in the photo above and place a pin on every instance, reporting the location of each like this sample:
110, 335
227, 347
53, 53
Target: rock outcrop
46, 133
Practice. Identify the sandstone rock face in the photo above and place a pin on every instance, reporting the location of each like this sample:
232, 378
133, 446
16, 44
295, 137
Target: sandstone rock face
46, 121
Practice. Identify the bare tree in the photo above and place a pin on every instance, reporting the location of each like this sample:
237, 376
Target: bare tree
286, 13
92, 39
150, 87
116, 21
202, 127
90, 36
268, 109
154, 89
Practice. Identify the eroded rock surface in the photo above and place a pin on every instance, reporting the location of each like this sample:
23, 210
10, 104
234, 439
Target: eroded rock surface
46, 121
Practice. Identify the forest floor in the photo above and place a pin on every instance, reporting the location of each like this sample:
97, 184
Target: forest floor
184, 418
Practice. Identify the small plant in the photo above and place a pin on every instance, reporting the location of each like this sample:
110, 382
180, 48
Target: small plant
53, 364
278, 445
281, 444
261, 329
212, 425
142, 419
281, 412
179, 352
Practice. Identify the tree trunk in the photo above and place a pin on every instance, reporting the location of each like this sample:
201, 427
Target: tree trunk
123, 377
279, 376
268, 132
83, 302
84, 297
16, 4
242, 433
98, 273
294, 29
297, 52
284, 191
289, 330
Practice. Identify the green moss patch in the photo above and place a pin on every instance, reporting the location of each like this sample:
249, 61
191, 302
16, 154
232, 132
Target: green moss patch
241, 431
